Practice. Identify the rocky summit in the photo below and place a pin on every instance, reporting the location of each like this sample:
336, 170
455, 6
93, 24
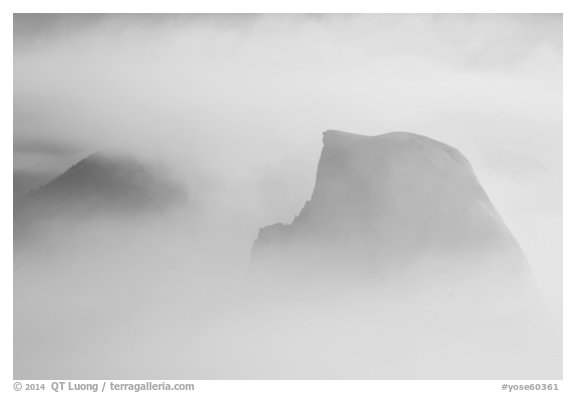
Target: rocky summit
390, 203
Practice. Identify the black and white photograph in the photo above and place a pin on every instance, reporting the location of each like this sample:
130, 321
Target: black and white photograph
284, 196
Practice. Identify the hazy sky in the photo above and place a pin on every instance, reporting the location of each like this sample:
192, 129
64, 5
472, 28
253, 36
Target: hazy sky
243, 99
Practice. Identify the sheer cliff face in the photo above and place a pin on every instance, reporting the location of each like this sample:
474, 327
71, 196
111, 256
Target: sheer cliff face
392, 201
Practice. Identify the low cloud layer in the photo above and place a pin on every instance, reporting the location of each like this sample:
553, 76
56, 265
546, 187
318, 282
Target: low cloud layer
243, 98
235, 107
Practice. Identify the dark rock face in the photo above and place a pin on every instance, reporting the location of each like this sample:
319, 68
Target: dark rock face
101, 185
390, 202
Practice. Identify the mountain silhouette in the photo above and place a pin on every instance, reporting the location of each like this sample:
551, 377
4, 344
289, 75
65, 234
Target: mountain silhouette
391, 203
101, 185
